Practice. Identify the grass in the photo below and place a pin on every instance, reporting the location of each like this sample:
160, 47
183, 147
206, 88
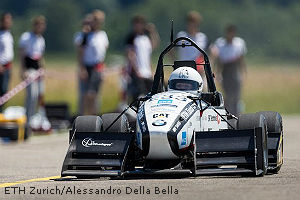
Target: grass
266, 87
273, 88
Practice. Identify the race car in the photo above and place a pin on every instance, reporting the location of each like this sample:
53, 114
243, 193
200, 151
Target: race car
178, 130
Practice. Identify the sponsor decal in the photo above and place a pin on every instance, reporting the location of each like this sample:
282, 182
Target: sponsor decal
178, 123
154, 98
186, 113
183, 139
87, 142
161, 115
166, 105
143, 126
183, 73
181, 98
162, 109
142, 119
159, 122
212, 118
141, 113
167, 96
165, 101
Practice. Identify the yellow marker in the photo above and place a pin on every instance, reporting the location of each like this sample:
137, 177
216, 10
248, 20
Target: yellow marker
2, 185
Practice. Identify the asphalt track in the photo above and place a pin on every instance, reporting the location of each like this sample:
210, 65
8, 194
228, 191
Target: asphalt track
30, 167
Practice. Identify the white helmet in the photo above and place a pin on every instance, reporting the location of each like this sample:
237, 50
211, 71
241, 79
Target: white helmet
186, 79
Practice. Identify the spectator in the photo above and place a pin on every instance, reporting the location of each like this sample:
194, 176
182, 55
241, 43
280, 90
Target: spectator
80, 41
139, 46
230, 51
92, 62
32, 47
6, 53
193, 22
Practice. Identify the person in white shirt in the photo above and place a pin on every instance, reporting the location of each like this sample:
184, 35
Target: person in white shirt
139, 46
32, 47
80, 40
230, 52
6, 53
193, 22
94, 45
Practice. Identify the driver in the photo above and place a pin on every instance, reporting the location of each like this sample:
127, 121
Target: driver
186, 79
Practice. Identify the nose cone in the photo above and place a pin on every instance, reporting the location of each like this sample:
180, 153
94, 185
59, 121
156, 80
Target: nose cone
159, 146
161, 111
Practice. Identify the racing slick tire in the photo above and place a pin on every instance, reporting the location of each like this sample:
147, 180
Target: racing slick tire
274, 124
250, 121
121, 125
274, 121
88, 124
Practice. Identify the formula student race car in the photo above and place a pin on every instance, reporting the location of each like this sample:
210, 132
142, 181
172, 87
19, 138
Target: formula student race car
180, 131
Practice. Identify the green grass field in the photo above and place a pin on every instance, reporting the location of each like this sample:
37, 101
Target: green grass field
266, 87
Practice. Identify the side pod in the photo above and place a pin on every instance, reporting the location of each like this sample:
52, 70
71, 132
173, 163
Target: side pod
230, 152
93, 154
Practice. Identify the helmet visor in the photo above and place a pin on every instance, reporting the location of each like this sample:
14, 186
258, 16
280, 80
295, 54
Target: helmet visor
182, 84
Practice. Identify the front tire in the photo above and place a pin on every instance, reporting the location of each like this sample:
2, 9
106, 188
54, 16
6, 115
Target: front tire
251, 121
86, 124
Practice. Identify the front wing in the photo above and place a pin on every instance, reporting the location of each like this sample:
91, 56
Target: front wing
111, 154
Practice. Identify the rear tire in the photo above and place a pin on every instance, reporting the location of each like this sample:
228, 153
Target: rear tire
274, 121
251, 121
274, 124
121, 125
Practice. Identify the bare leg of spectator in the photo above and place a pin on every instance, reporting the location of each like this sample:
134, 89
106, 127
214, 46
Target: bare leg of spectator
31, 99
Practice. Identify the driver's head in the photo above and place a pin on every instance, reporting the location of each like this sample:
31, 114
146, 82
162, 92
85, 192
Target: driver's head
186, 79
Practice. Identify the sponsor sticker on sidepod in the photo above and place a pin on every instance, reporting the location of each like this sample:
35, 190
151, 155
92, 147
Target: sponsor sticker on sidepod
165, 101
87, 142
159, 122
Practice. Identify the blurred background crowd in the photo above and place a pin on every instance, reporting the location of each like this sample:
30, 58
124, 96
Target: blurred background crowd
82, 40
